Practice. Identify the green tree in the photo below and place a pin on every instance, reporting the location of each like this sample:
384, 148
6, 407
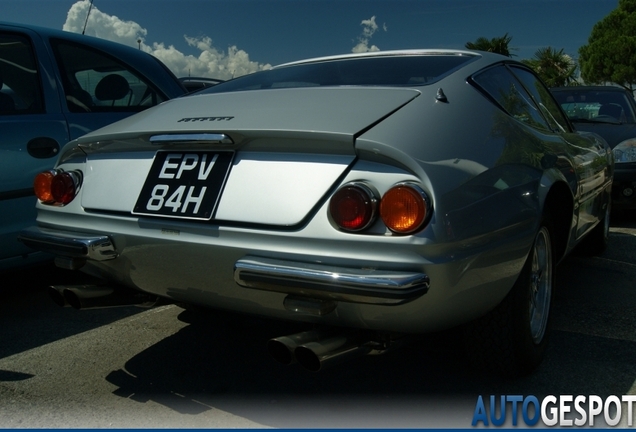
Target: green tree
555, 68
497, 45
610, 54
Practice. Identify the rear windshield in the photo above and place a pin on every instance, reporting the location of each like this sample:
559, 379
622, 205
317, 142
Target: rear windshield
405, 70
595, 105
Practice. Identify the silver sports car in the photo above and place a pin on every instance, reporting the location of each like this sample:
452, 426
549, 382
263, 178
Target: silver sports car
372, 196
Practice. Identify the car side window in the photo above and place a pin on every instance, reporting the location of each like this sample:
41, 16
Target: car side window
20, 89
544, 99
96, 82
510, 94
581, 104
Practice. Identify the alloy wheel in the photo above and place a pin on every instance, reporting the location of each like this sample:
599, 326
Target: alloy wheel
540, 285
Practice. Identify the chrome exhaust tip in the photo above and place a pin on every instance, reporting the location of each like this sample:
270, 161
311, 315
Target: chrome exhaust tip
281, 351
97, 296
92, 297
314, 350
56, 294
315, 356
282, 348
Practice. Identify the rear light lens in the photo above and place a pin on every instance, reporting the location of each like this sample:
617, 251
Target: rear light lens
42, 186
404, 208
63, 188
57, 187
353, 207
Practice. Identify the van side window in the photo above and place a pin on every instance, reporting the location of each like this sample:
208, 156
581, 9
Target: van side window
20, 89
96, 82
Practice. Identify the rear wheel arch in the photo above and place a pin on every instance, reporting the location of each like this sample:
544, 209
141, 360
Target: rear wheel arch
558, 206
511, 339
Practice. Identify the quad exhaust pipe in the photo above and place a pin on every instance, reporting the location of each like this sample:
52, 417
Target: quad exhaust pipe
97, 296
315, 350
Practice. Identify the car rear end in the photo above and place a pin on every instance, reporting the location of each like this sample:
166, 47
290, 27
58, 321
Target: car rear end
298, 203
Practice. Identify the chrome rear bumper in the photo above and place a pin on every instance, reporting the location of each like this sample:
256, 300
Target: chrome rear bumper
69, 244
329, 282
301, 280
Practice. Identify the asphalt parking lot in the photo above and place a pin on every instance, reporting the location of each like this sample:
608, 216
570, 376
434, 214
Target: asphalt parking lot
168, 367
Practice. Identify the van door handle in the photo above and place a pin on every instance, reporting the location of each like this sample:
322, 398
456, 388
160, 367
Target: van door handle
43, 147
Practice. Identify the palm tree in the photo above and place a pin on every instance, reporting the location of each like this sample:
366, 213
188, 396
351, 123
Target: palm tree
554, 67
497, 45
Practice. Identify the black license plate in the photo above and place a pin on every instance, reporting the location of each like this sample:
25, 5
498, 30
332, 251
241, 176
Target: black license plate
184, 184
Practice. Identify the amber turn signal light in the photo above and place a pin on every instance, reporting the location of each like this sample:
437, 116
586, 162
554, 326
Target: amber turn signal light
42, 186
404, 208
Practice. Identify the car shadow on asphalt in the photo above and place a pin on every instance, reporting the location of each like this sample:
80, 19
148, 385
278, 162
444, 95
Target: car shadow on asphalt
29, 318
220, 361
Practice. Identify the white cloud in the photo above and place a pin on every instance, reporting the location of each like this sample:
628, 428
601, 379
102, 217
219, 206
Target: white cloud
369, 27
210, 61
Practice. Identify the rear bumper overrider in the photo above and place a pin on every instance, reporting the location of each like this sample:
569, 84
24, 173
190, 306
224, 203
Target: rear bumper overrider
69, 244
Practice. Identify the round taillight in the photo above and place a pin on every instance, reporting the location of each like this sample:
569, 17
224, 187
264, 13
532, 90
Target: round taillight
42, 186
353, 207
63, 188
404, 208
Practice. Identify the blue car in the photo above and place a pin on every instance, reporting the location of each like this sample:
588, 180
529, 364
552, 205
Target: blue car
54, 87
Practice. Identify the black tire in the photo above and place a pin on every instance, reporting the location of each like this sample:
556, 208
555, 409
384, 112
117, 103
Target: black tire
512, 338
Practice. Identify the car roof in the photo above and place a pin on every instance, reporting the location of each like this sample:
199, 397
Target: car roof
392, 53
62, 34
590, 88
143, 62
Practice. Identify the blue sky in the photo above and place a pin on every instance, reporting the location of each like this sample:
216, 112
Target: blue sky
238, 36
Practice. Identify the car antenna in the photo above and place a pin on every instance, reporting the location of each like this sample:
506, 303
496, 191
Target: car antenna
87, 15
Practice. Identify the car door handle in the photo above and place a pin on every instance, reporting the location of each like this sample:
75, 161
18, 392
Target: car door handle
43, 147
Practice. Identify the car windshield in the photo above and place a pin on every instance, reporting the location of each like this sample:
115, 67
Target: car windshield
602, 106
403, 70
